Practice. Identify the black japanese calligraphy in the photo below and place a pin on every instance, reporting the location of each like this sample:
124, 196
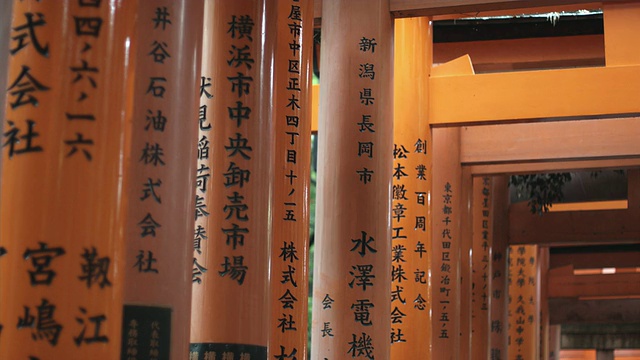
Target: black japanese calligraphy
41, 260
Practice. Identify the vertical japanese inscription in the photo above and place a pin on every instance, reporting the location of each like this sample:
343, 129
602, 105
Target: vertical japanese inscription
236, 225
234, 173
409, 225
410, 317
203, 182
83, 77
354, 187
366, 74
151, 127
447, 276
482, 240
522, 301
486, 235
25, 90
292, 175
56, 92
146, 333
361, 278
163, 172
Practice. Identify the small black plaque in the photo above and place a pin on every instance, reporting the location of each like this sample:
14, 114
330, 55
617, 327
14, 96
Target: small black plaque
217, 351
146, 333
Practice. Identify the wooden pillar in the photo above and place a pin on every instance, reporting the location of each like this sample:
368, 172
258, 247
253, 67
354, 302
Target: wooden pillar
607, 354
465, 258
410, 295
543, 329
292, 117
633, 189
481, 265
230, 314
5, 30
499, 269
554, 342
621, 27
352, 271
157, 294
445, 253
523, 302
62, 216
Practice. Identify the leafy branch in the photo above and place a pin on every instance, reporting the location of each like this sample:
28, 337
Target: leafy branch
542, 190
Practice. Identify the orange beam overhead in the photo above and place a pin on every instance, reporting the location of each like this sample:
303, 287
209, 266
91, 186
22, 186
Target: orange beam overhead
520, 11
622, 259
505, 55
555, 93
616, 285
466, 8
573, 227
567, 311
547, 141
591, 205
533, 167
591, 225
410, 8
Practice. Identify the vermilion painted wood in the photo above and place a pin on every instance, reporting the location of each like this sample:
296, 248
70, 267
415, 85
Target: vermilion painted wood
165, 191
411, 337
351, 213
499, 267
524, 303
466, 275
482, 274
230, 304
447, 192
544, 325
290, 212
62, 208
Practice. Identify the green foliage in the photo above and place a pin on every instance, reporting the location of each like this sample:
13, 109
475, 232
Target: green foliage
312, 207
310, 297
312, 226
312, 191
542, 190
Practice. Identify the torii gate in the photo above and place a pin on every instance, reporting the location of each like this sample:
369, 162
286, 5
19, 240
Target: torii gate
393, 266
480, 125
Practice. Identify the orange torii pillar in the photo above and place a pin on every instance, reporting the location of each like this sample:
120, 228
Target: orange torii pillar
5, 30
230, 312
292, 118
543, 298
621, 29
352, 272
465, 253
445, 246
523, 302
499, 269
481, 267
410, 217
157, 294
62, 216
554, 342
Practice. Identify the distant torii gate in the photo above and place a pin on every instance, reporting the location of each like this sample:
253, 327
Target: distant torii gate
489, 125
399, 238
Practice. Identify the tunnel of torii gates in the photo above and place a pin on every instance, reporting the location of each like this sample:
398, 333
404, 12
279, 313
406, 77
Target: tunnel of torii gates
115, 109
